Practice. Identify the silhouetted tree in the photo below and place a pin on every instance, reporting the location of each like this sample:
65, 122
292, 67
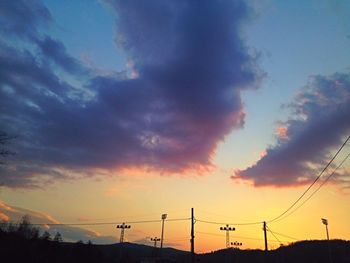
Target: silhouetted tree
3, 226
46, 236
58, 237
26, 229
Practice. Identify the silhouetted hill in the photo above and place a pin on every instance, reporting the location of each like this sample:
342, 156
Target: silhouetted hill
315, 251
22, 243
137, 252
25, 245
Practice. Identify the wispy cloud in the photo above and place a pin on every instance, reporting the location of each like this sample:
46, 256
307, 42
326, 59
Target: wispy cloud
69, 233
318, 125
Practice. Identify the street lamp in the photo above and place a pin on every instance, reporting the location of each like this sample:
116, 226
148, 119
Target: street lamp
122, 229
163, 219
227, 228
325, 222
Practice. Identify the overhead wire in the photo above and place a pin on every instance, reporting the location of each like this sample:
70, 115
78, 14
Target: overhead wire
219, 215
283, 235
241, 237
274, 235
316, 190
109, 223
178, 219
227, 223
312, 184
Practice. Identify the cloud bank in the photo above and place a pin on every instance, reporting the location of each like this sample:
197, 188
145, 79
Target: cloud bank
189, 67
319, 124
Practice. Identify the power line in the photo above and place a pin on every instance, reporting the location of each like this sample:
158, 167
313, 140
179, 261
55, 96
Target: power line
241, 237
75, 224
314, 192
221, 235
274, 235
107, 223
178, 219
279, 241
224, 223
283, 235
316, 179
219, 215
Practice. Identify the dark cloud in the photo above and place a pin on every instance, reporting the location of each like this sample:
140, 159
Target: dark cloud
190, 66
56, 51
319, 124
21, 18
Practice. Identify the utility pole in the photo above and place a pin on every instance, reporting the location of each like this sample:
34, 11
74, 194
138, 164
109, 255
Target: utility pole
122, 229
155, 240
227, 228
265, 235
192, 236
162, 238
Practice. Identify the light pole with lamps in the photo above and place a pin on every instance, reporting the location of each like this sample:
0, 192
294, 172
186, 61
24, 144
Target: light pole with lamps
122, 229
236, 244
155, 240
227, 228
325, 222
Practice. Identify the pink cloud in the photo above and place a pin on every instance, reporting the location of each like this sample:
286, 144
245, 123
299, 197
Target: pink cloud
319, 124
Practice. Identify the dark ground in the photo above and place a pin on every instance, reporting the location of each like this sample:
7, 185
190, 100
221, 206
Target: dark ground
22, 243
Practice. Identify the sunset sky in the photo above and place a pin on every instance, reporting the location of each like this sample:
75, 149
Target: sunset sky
125, 110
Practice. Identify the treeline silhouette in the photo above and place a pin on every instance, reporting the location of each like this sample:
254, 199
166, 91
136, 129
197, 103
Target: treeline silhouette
22, 242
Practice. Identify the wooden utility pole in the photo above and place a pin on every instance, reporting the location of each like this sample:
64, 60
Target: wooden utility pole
164, 216
192, 236
265, 235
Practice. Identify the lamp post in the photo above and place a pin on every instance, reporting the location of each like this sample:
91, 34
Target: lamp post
155, 240
162, 238
122, 229
227, 228
325, 222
